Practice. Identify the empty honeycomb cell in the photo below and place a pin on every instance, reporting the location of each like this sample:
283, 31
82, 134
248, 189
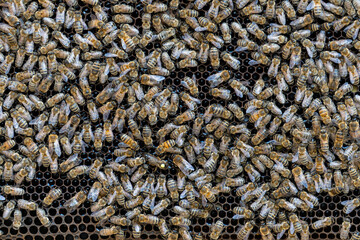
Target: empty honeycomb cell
336, 213
73, 228
23, 230
205, 229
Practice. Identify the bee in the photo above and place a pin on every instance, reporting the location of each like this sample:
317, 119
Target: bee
245, 230
216, 230
109, 231
5, 66
208, 194
350, 205
348, 54
20, 176
54, 145
160, 206
184, 117
129, 141
214, 57
17, 222
8, 174
27, 205
322, 223
75, 201
9, 125
41, 214
345, 229
8, 209
232, 61
126, 41
190, 83
13, 191
51, 196
254, 29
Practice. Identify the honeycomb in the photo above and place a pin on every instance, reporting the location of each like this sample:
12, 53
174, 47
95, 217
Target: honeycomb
79, 224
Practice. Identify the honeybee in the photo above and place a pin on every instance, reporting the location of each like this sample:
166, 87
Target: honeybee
20, 176
350, 205
345, 229
129, 141
52, 196
322, 223
70, 163
8, 209
27, 205
13, 191
75, 201
232, 61
41, 214
245, 230
216, 230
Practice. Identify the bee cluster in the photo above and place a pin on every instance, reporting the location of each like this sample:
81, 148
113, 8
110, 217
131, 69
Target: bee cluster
82, 76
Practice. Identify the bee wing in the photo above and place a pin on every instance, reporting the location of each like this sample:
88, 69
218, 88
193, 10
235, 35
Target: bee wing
123, 44
327, 6
200, 29
106, 115
253, 62
84, 24
57, 148
157, 78
2, 198
39, 159
231, 5
32, 122
276, 24
106, 70
335, 60
165, 189
203, 201
237, 216
119, 159
157, 187
309, 52
355, 34
123, 73
10, 131
329, 156
91, 135
98, 213
110, 55
240, 49
71, 132
188, 165
280, 234
348, 27
103, 136
252, 178
139, 94
152, 204
213, 77
83, 146
94, 112
346, 202
317, 186
183, 194
310, 6
349, 208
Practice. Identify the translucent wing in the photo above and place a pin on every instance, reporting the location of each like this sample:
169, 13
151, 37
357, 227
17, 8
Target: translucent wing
57, 148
